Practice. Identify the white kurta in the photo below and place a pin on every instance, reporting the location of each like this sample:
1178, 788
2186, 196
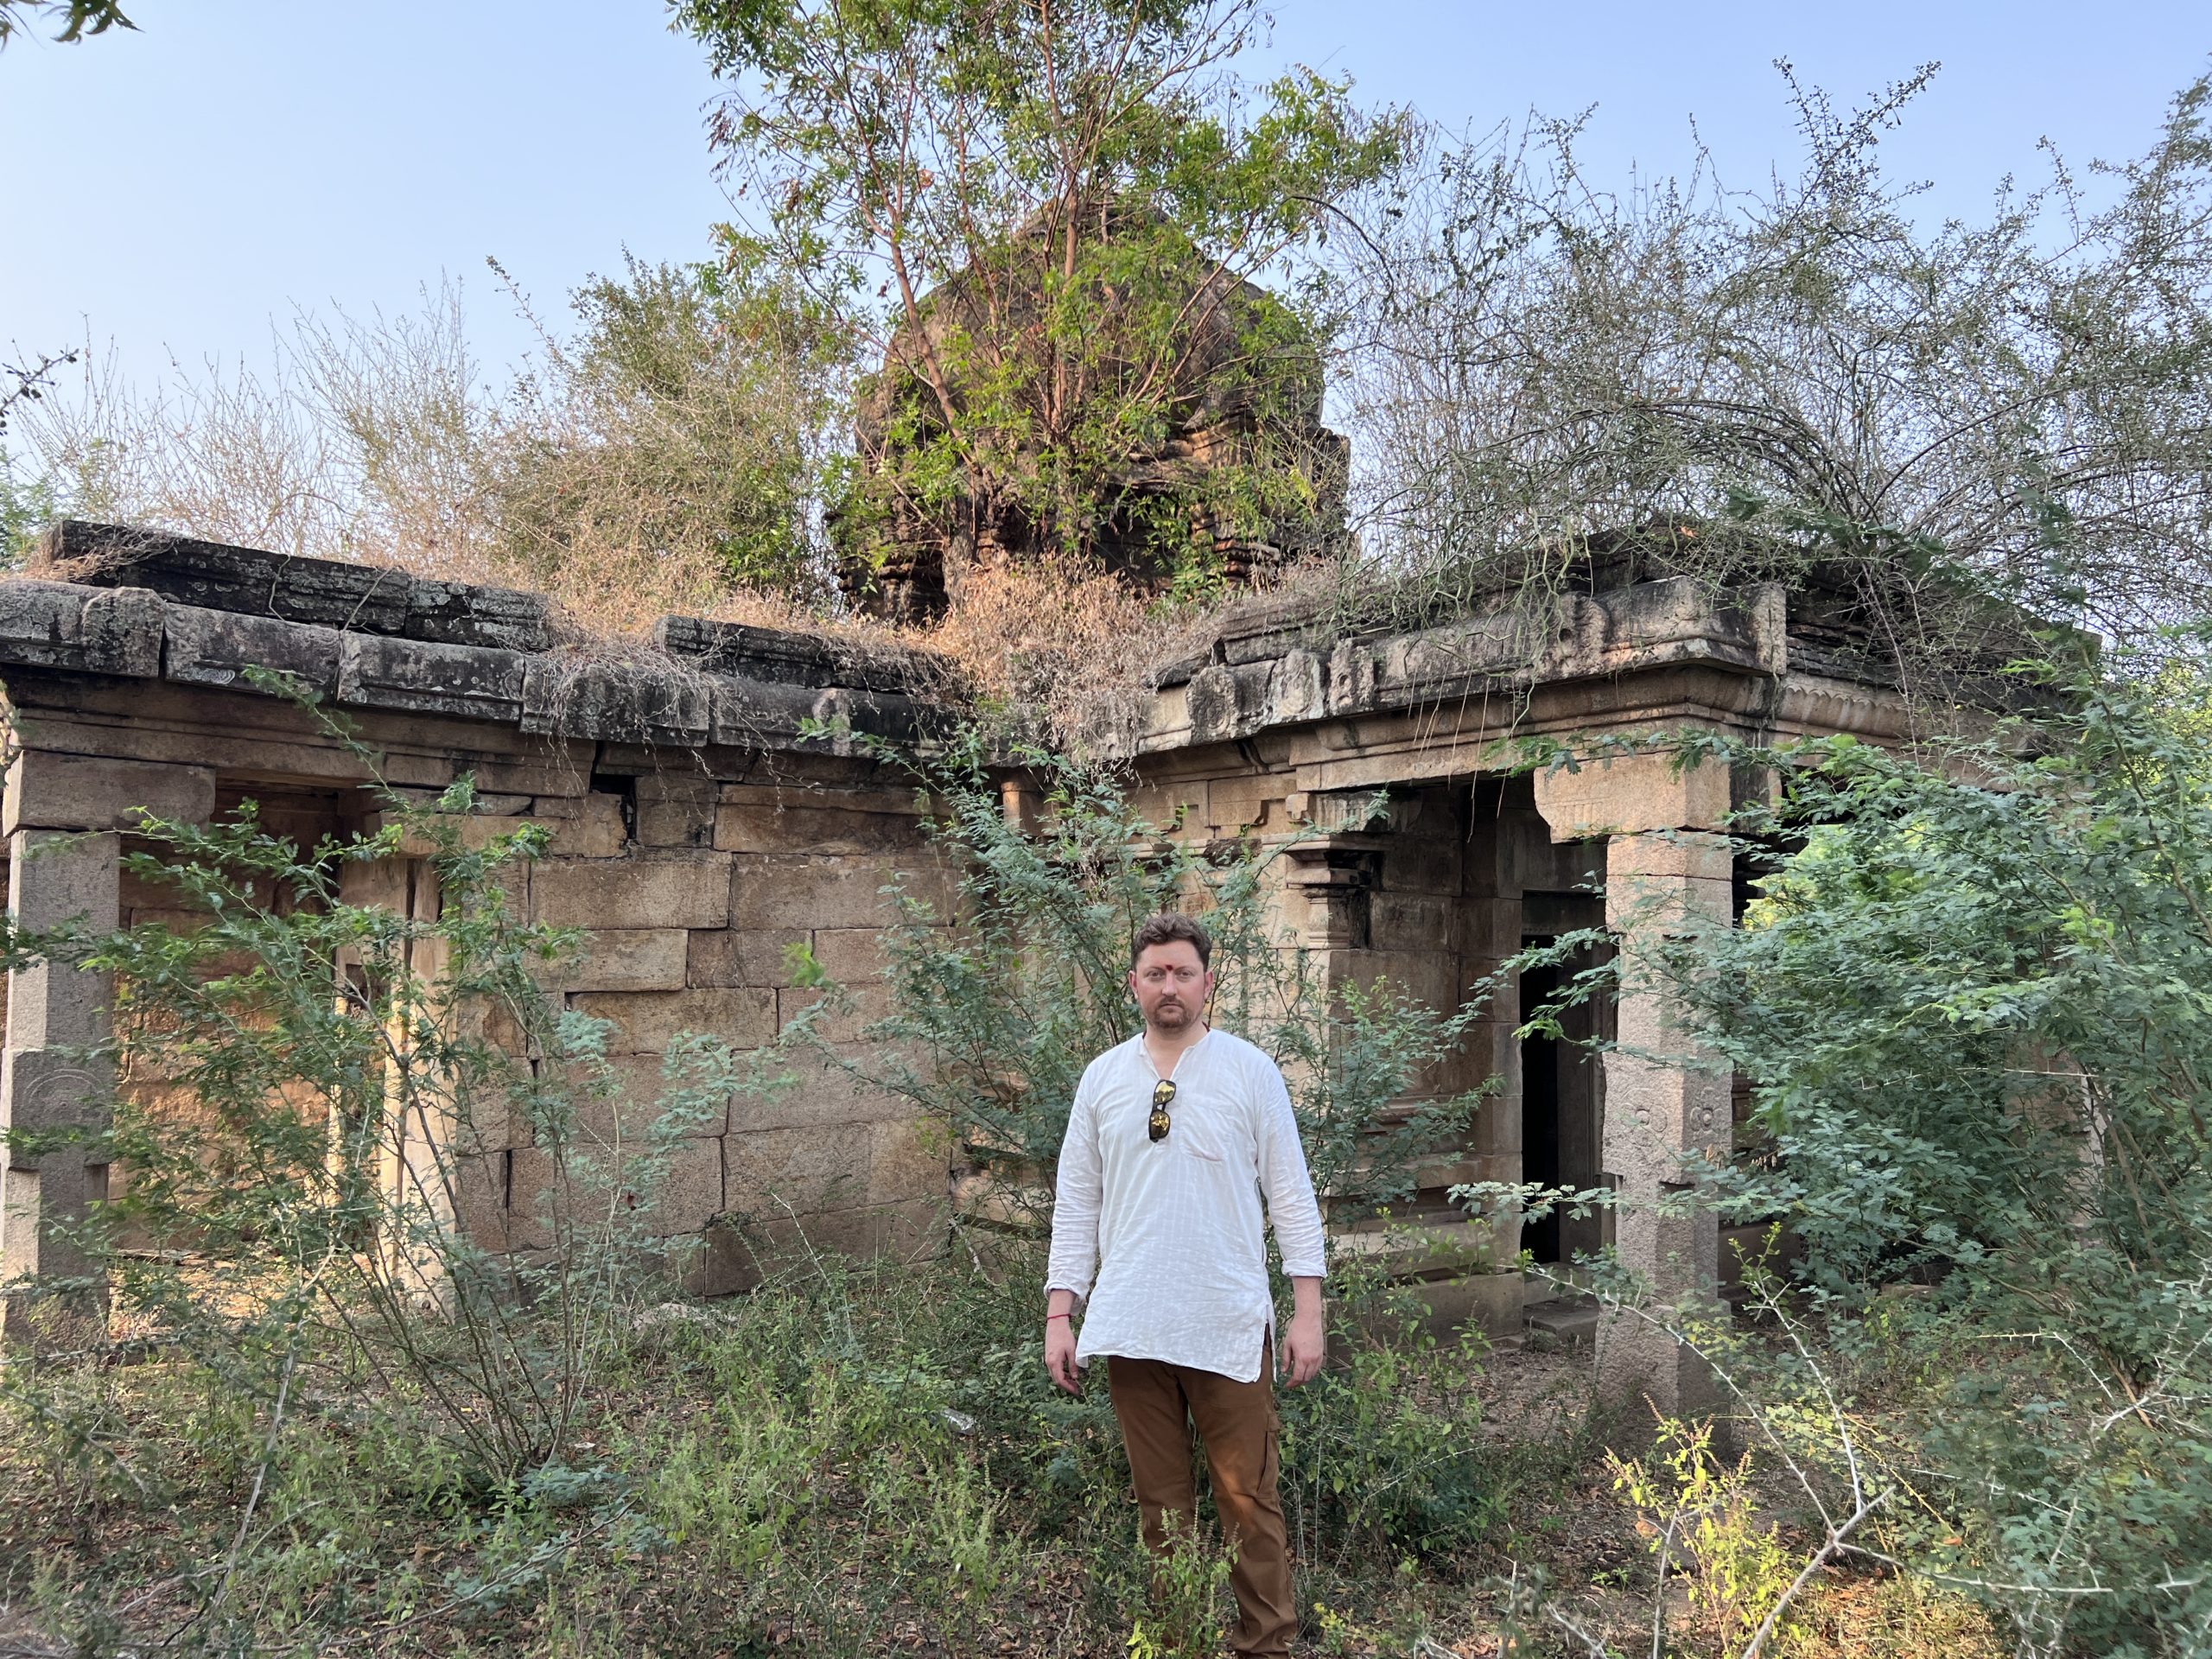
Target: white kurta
1172, 1228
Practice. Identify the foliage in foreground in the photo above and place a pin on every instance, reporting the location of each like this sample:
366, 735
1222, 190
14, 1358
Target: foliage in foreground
845, 1457
1971, 1002
989, 1022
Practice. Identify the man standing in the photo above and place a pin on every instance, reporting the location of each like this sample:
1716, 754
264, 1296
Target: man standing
1174, 1137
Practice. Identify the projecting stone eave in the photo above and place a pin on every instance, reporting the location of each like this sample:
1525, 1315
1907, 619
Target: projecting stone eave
144, 607
1508, 661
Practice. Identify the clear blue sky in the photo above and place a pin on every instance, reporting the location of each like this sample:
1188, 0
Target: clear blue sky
175, 189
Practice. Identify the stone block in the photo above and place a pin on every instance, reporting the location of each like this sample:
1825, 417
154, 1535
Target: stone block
1236, 803
623, 1100
1492, 1303
1421, 863
468, 681
862, 1005
1667, 884
43, 1092
648, 1021
332, 593
205, 647
653, 890
742, 956
595, 831
480, 1201
819, 1093
1409, 922
41, 623
1629, 794
756, 714
1166, 805
689, 779
547, 1192
754, 827
622, 959
464, 614
641, 702
121, 631
676, 824
673, 1192
385, 882
1431, 977
1685, 857
39, 1209
851, 955
687, 1192
795, 891
55, 878
908, 1158
805, 1169
47, 791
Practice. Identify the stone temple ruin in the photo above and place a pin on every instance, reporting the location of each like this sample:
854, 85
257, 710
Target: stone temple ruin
696, 832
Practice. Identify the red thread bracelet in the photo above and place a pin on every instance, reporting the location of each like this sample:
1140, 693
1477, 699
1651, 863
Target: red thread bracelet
1049, 1317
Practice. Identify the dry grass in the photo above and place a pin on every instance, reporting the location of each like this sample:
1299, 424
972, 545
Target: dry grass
375, 441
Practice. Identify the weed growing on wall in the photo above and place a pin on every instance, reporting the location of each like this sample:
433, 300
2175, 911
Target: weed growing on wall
1972, 1010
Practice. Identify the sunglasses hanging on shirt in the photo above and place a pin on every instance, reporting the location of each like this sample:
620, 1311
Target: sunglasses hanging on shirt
1159, 1123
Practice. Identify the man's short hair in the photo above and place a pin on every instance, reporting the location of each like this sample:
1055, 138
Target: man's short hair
1169, 927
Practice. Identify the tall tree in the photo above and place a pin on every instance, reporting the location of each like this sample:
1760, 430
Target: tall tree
1045, 216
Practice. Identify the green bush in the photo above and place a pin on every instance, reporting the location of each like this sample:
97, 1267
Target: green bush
1003, 1003
1974, 1006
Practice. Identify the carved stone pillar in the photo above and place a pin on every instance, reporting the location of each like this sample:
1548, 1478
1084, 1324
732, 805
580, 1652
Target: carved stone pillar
1334, 874
61, 815
49, 1084
1665, 1104
1665, 1101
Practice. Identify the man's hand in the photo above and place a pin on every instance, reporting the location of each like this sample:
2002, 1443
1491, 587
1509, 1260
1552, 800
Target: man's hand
1059, 1342
1059, 1355
1305, 1346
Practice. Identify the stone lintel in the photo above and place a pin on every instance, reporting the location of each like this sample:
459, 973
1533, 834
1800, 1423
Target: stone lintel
781, 655
467, 681
51, 790
641, 702
1630, 794
54, 624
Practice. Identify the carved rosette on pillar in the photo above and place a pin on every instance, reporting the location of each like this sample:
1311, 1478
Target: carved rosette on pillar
1667, 1103
61, 816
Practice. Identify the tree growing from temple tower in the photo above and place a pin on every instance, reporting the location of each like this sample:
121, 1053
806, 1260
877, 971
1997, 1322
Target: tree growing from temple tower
1044, 220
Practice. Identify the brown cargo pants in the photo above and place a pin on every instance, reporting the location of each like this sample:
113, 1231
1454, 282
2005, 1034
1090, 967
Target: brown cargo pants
1158, 1404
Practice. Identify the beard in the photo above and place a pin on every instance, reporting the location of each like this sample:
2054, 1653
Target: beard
1170, 1015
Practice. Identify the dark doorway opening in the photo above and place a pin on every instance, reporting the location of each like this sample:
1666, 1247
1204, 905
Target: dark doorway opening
1562, 1086
1539, 1109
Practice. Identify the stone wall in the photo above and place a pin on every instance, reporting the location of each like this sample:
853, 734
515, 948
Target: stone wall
695, 834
